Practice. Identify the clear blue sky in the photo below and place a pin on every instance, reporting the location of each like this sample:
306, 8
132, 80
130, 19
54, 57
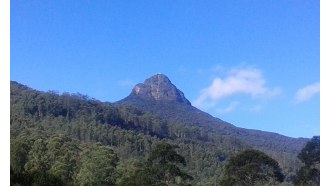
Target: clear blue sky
255, 64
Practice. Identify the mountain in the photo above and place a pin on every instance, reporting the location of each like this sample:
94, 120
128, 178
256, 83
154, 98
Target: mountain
156, 111
159, 88
38, 118
159, 96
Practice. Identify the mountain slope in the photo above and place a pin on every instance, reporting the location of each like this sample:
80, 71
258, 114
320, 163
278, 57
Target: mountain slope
130, 132
159, 96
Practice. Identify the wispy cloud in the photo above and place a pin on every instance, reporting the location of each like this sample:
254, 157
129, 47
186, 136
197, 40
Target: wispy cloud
307, 92
248, 81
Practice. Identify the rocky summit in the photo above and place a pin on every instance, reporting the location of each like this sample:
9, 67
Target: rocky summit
159, 88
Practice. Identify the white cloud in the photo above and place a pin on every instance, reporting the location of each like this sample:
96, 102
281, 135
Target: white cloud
248, 81
306, 93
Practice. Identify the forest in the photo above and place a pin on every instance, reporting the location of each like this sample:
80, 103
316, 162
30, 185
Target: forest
71, 139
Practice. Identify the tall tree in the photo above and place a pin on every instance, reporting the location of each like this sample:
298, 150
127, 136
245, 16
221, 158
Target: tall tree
309, 174
19, 150
62, 154
251, 167
164, 163
133, 173
98, 165
38, 165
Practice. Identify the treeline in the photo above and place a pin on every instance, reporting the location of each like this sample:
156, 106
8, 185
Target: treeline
60, 160
67, 108
54, 137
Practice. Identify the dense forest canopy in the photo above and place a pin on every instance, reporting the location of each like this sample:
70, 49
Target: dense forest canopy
71, 139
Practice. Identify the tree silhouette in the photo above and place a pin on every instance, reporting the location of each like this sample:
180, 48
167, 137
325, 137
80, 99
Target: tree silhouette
163, 163
251, 167
309, 174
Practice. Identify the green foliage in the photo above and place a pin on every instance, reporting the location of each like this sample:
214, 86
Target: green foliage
309, 174
164, 154
50, 161
310, 154
134, 173
178, 113
62, 154
52, 136
130, 132
161, 168
251, 167
97, 166
59, 160
19, 149
164, 162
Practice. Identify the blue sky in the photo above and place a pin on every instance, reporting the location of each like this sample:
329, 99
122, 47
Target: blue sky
255, 64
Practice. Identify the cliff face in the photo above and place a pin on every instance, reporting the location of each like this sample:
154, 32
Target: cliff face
159, 88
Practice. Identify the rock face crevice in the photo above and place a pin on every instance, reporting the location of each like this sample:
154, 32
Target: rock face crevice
159, 88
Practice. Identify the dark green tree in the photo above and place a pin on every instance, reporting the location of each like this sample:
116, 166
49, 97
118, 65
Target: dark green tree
38, 165
133, 173
98, 165
309, 173
251, 167
19, 150
62, 156
164, 162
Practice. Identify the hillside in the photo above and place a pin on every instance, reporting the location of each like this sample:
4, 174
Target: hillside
41, 117
160, 97
131, 133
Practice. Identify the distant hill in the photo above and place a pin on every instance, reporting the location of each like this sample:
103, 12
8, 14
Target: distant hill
159, 96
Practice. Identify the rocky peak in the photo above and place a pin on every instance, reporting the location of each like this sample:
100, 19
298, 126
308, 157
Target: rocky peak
159, 87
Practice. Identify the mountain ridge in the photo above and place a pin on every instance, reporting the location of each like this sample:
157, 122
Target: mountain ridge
181, 112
